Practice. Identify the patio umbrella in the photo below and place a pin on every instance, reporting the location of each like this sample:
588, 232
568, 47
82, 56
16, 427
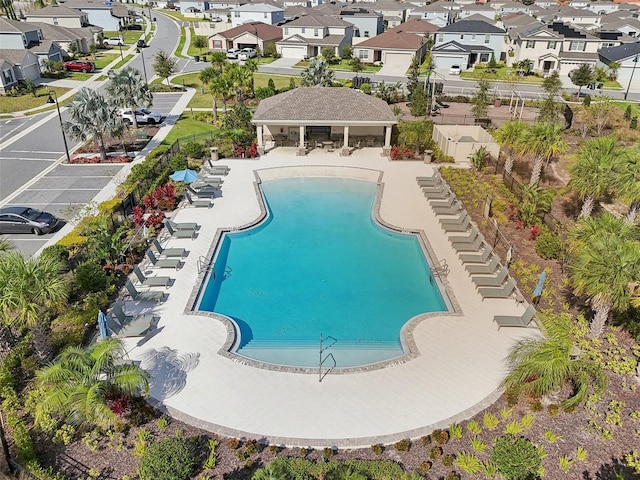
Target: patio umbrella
186, 176
102, 324
538, 290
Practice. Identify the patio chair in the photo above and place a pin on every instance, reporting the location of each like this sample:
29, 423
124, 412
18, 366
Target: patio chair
168, 252
214, 169
183, 225
431, 181
179, 233
468, 238
454, 209
448, 203
481, 257
149, 296
442, 192
499, 292
150, 281
462, 216
488, 281
202, 192
469, 247
207, 180
207, 203
514, 320
484, 268
457, 227
123, 325
163, 262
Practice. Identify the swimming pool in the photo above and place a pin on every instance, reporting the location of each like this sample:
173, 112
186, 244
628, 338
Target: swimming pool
320, 265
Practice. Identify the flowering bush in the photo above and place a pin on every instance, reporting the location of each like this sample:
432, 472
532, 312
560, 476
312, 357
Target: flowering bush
162, 198
252, 151
398, 153
155, 219
138, 216
121, 406
239, 151
534, 232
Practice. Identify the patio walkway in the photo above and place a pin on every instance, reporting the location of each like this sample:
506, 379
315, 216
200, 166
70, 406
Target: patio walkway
456, 374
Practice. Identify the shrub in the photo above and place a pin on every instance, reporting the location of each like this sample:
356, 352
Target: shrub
536, 406
553, 409
178, 162
424, 467
169, 459
548, 245
59, 252
327, 453
90, 277
68, 329
440, 436
162, 198
233, 444
435, 453
452, 476
448, 460
425, 440
366, 88
377, 448
516, 458
633, 124
403, 445
192, 149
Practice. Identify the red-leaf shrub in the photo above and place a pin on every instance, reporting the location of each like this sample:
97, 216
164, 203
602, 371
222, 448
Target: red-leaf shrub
162, 198
155, 219
534, 232
252, 151
239, 151
138, 216
407, 153
396, 153
121, 406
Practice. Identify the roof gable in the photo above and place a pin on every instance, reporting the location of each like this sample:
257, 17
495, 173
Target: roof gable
56, 11
259, 29
471, 26
317, 21
415, 25
394, 40
450, 47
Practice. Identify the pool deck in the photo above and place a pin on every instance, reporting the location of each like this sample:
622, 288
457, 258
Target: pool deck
456, 373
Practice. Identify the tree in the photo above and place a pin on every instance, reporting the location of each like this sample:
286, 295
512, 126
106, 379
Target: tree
80, 384
592, 175
415, 135
92, 118
347, 52
545, 141
220, 88
329, 54
390, 93
509, 135
604, 265
199, 42
218, 60
127, 88
543, 365
550, 110
479, 158
240, 80
419, 106
524, 67
207, 75
613, 69
581, 76
163, 65
627, 181
535, 201
413, 75
356, 64
492, 66
317, 73
481, 100
600, 112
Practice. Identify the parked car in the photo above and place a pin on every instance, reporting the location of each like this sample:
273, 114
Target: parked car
114, 41
141, 44
83, 66
247, 53
216, 19
142, 116
232, 53
26, 220
454, 70
133, 26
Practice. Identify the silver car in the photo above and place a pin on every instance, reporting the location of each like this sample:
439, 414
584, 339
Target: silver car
26, 220
142, 116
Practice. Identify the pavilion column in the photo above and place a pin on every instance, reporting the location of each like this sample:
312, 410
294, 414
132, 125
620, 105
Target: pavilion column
260, 140
345, 147
302, 150
386, 150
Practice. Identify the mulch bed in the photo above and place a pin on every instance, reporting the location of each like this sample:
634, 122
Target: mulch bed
129, 142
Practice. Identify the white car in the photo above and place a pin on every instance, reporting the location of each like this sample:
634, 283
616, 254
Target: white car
454, 70
115, 41
247, 53
142, 116
232, 53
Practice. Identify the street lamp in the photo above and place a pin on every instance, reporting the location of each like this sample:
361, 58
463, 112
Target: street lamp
144, 67
635, 62
53, 98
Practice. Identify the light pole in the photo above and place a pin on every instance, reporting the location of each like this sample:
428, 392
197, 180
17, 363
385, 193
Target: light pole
144, 67
53, 98
635, 62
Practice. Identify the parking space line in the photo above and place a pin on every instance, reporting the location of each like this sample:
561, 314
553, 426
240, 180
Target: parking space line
44, 159
32, 151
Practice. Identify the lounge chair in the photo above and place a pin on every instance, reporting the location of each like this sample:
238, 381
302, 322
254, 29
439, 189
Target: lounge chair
448, 203
433, 181
498, 292
516, 321
208, 192
179, 233
484, 268
207, 203
481, 257
163, 262
123, 325
462, 216
150, 281
183, 225
168, 252
458, 227
148, 296
207, 181
213, 169
469, 247
467, 238
489, 281
454, 209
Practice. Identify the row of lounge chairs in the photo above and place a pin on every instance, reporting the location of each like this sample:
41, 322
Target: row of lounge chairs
492, 280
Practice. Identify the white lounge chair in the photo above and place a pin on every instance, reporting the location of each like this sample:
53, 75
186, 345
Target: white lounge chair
458, 227
168, 252
484, 268
150, 281
179, 233
498, 292
489, 281
480, 257
204, 202
469, 247
123, 325
163, 262
466, 238
516, 321
150, 296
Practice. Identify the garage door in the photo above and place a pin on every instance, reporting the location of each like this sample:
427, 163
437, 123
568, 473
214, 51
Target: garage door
294, 52
31, 72
397, 59
445, 61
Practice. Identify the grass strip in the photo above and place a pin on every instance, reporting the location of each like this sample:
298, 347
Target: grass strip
26, 102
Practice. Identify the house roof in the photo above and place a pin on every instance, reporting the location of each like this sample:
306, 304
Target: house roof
87, 4
389, 5
619, 53
44, 46
296, 10
15, 26
119, 11
481, 18
517, 19
396, 40
257, 7
317, 21
471, 26
323, 104
259, 29
14, 55
588, 56
329, 40
455, 47
58, 33
56, 11
358, 12
415, 25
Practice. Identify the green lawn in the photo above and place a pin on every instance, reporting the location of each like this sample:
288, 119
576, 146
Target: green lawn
26, 102
178, 52
103, 59
280, 81
180, 17
129, 36
343, 66
81, 77
122, 62
500, 75
186, 125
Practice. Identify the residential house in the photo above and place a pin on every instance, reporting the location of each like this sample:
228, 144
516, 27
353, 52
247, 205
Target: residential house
579, 17
393, 13
511, 7
301, 3
107, 15
516, 20
306, 36
70, 40
627, 57
248, 35
628, 26
418, 26
477, 9
545, 3
23, 35
602, 8
393, 47
367, 23
17, 65
257, 12
47, 50
194, 8
466, 43
436, 13
59, 15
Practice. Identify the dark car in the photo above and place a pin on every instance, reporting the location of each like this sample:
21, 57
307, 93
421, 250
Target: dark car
83, 66
26, 220
141, 44
133, 26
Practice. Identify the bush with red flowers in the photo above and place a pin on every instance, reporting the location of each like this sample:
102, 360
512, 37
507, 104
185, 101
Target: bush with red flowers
121, 405
162, 198
398, 153
239, 151
252, 151
534, 232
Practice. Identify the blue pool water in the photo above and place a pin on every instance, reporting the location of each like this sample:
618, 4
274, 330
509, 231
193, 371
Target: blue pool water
320, 265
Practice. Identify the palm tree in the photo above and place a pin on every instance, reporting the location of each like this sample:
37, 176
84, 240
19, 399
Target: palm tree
79, 384
92, 118
545, 141
627, 180
218, 60
509, 135
317, 73
416, 135
199, 42
127, 88
543, 365
239, 79
220, 88
592, 176
604, 266
206, 77
273, 471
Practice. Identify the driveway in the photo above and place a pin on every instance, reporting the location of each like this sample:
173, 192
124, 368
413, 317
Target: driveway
395, 70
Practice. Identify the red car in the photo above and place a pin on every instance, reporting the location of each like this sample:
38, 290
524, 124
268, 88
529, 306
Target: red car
83, 66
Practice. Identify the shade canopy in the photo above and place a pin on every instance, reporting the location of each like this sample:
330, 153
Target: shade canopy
102, 324
186, 176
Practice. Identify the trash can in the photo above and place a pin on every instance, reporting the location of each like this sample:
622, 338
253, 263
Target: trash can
213, 151
196, 58
428, 156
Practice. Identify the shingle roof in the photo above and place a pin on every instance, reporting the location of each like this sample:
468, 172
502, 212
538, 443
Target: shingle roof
621, 52
58, 33
471, 26
394, 40
257, 7
43, 47
324, 104
317, 21
415, 25
329, 40
56, 11
259, 29
15, 56
15, 26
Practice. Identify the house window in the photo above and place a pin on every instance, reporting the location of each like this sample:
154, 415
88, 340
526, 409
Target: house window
7, 75
237, 15
362, 54
40, 37
217, 44
24, 40
441, 38
530, 44
315, 32
577, 46
286, 31
366, 33
484, 57
551, 45
473, 37
55, 20
265, 14
302, 30
487, 38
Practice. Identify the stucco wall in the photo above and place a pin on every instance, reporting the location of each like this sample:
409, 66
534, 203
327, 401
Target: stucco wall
447, 137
